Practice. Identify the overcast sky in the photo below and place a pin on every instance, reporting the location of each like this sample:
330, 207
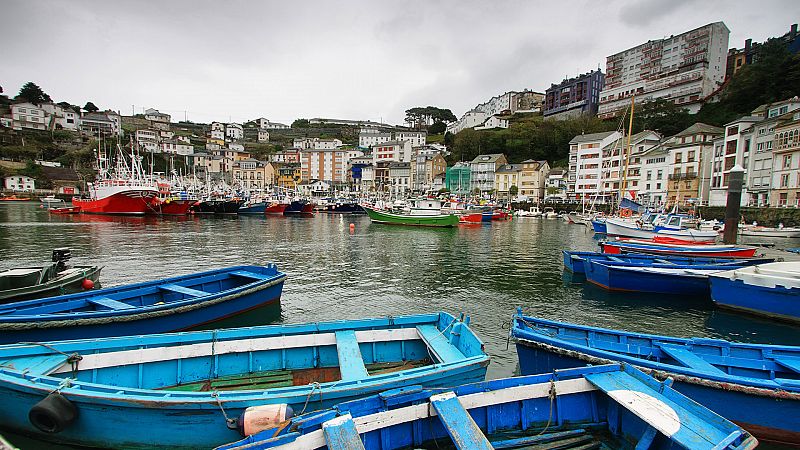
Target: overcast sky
368, 60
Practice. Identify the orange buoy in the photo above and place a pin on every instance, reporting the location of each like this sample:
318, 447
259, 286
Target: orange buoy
87, 284
352, 227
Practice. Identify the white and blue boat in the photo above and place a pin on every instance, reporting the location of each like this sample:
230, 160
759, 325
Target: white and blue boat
770, 290
186, 390
599, 225
253, 208
656, 277
170, 304
756, 386
574, 261
607, 406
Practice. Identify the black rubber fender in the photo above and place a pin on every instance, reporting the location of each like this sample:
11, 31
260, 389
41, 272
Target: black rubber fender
53, 413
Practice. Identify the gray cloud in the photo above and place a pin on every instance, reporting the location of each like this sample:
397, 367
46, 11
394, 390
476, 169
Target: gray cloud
359, 59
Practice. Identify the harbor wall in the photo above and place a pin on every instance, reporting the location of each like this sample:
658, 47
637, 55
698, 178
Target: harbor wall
764, 216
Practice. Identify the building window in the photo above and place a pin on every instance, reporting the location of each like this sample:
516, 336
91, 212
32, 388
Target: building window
785, 180
787, 161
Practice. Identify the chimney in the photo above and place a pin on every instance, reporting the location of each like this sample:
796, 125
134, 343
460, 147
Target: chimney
747, 44
794, 30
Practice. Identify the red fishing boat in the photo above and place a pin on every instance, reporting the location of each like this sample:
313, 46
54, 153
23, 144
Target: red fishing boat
65, 210
276, 207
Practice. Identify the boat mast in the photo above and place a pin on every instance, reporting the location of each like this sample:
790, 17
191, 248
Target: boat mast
624, 184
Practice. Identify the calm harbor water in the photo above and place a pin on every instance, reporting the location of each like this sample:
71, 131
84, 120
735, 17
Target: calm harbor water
378, 270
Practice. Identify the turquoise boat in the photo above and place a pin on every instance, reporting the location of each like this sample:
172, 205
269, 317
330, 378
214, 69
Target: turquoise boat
424, 213
601, 407
191, 390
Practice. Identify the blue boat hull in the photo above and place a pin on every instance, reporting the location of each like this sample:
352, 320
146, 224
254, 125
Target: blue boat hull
777, 303
254, 209
777, 420
575, 261
615, 279
345, 208
599, 226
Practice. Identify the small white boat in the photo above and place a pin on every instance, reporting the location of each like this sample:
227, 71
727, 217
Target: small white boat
769, 232
533, 211
549, 213
50, 200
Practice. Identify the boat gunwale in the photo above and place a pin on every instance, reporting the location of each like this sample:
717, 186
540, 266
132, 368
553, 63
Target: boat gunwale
686, 373
91, 270
408, 216
7, 309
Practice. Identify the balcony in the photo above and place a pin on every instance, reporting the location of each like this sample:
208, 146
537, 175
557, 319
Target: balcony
683, 176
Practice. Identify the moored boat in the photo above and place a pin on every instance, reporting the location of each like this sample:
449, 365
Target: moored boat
653, 248
770, 290
756, 386
117, 196
627, 228
424, 213
25, 283
583, 408
50, 200
769, 232
253, 208
275, 207
217, 206
188, 389
344, 207
170, 304
64, 210
599, 225
299, 207
575, 261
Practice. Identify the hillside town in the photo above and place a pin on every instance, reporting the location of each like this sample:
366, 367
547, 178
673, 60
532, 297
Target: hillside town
688, 168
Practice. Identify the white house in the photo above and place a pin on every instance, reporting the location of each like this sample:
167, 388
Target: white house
493, 122
20, 183
177, 147
392, 151
417, 138
316, 144
654, 176
158, 119
263, 135
29, 116
372, 137
234, 131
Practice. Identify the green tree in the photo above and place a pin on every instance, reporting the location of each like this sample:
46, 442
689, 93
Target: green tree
663, 116
300, 123
437, 128
90, 107
513, 190
31, 92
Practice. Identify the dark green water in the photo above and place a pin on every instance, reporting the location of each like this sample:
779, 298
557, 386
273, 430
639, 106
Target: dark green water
378, 270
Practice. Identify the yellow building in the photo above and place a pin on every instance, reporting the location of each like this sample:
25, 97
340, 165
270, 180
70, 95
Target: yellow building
287, 175
506, 176
533, 179
253, 174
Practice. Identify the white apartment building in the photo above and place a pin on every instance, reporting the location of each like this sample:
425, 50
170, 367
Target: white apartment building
20, 183
323, 164
392, 151
373, 138
148, 140
263, 135
586, 162
417, 138
482, 170
60, 117
267, 125
399, 178
29, 116
176, 147
507, 103
685, 69
156, 116
786, 163
734, 148
218, 126
622, 163
654, 177
234, 131
470, 119
316, 144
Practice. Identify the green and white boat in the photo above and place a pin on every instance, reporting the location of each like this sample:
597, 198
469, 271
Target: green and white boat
423, 213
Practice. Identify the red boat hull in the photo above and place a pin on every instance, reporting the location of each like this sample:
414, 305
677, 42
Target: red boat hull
276, 208
129, 202
174, 207
614, 249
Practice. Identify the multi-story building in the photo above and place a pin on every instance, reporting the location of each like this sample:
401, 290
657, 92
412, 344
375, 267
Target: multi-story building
234, 131
493, 122
738, 58
417, 138
176, 147
399, 178
684, 69
148, 140
556, 183
254, 174
574, 96
20, 183
762, 136
392, 151
316, 143
265, 124
586, 161
291, 155
158, 120
458, 178
506, 176
60, 117
533, 179
786, 163
371, 137
263, 135
424, 169
622, 164
288, 175
503, 104
734, 148
653, 178
323, 164
482, 170
29, 116
106, 123
690, 156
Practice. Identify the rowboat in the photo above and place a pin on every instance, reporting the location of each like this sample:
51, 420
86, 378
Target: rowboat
653, 248
574, 261
591, 407
756, 386
65, 210
629, 229
769, 232
659, 278
159, 306
771, 290
25, 283
191, 389
424, 213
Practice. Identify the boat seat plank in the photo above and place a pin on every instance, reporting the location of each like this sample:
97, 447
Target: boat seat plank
109, 303
615, 259
690, 360
341, 434
43, 365
351, 363
438, 344
464, 432
790, 362
787, 382
183, 290
252, 275
685, 426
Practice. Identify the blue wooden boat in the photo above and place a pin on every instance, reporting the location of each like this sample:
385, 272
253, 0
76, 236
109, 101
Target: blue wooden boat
756, 386
607, 406
575, 261
599, 225
770, 290
186, 390
659, 278
170, 304
256, 208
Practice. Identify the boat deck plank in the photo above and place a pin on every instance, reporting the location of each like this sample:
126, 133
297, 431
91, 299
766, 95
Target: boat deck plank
183, 290
438, 344
109, 303
464, 432
251, 275
790, 362
690, 360
341, 434
351, 363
